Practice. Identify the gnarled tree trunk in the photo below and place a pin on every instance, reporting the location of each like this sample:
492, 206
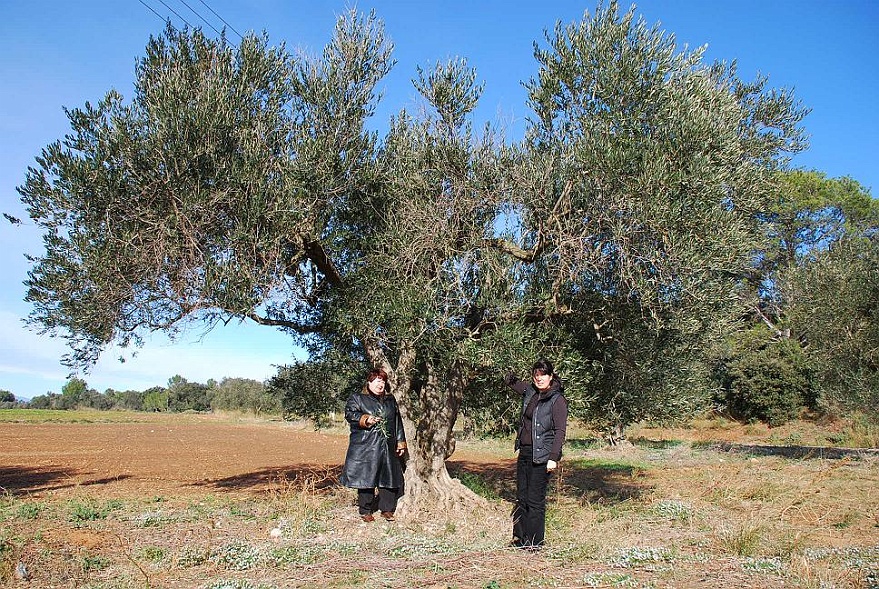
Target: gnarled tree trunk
429, 415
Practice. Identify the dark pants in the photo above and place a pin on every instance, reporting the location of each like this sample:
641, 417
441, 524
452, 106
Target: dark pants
366, 500
529, 515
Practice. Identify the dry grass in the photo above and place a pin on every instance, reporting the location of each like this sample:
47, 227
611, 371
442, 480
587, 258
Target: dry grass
664, 512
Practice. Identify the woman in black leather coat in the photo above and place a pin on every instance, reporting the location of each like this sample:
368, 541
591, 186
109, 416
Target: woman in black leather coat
375, 447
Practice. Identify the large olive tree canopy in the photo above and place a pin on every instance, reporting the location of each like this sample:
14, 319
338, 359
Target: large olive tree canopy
243, 184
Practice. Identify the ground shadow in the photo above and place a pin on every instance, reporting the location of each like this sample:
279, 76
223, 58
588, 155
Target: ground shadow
20, 480
602, 483
606, 483
652, 444
583, 444
317, 477
494, 479
105, 481
610, 483
789, 451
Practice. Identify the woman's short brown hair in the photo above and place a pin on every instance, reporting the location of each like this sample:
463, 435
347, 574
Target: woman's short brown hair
377, 373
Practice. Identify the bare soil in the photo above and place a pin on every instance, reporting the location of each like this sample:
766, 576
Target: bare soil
168, 455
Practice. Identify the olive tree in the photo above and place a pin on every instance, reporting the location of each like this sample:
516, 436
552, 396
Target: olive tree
237, 184
243, 184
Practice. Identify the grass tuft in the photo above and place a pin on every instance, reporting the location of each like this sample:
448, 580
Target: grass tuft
7, 559
745, 540
639, 556
673, 511
89, 509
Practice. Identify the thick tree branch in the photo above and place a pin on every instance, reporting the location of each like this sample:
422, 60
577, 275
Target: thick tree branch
315, 252
512, 249
479, 326
778, 332
293, 325
376, 355
530, 255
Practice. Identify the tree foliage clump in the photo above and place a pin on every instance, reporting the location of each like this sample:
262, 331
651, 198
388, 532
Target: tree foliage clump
646, 168
244, 395
317, 389
7, 400
835, 310
805, 216
814, 281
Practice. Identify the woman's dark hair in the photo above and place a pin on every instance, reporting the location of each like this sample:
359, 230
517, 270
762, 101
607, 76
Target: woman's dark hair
377, 373
542, 366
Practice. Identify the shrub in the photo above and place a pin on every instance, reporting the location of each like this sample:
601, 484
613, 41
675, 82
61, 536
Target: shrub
764, 378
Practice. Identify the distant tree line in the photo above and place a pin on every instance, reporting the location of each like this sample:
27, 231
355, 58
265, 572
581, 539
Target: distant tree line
230, 394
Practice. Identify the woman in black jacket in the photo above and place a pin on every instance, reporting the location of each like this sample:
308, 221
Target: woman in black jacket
375, 447
539, 441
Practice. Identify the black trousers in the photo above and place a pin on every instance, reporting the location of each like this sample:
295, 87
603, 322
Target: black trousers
366, 500
529, 515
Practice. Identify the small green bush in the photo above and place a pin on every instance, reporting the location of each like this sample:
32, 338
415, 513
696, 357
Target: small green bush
29, 510
153, 553
764, 378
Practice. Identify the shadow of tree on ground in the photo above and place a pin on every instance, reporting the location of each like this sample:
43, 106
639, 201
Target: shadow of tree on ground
602, 483
606, 483
799, 452
19, 480
316, 477
579, 480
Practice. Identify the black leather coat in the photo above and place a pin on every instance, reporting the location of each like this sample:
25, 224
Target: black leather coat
371, 460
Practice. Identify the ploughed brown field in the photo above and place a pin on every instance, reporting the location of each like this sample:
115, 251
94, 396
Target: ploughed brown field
140, 500
154, 458
169, 454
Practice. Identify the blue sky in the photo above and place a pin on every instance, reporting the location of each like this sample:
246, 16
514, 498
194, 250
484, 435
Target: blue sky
55, 54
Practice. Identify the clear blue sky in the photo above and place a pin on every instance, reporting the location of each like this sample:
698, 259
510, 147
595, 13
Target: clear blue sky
58, 54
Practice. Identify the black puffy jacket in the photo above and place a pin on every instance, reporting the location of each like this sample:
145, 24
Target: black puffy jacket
547, 436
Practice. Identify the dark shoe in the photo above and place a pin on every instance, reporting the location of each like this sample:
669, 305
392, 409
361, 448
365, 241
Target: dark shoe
368, 517
389, 515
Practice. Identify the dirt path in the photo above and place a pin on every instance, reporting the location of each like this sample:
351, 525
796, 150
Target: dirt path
165, 456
